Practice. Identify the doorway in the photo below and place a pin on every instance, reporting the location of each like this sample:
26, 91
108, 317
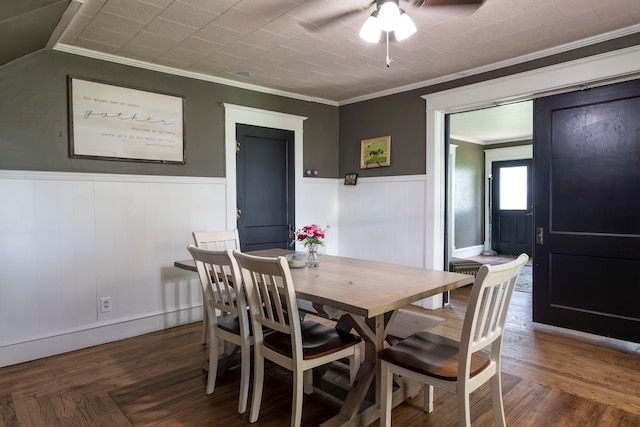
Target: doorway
265, 187
478, 139
237, 114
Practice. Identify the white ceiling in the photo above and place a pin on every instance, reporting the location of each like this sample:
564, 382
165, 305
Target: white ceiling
505, 123
271, 45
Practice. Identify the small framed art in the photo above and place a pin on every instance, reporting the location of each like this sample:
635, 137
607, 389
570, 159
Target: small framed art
350, 179
375, 152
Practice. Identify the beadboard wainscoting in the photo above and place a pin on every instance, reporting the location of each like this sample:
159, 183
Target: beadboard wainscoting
69, 239
383, 219
319, 203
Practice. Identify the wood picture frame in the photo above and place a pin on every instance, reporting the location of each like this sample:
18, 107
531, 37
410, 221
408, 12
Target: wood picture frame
350, 179
113, 122
375, 152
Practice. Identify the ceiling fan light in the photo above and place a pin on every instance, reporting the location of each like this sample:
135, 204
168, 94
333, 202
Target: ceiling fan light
405, 27
388, 15
371, 30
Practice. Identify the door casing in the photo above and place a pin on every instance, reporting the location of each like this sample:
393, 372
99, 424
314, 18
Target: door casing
237, 114
597, 70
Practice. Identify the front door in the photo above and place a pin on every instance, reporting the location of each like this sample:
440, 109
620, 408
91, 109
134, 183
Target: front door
512, 207
265, 187
587, 216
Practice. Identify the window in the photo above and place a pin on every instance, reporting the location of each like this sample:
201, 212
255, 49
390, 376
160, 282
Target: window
513, 188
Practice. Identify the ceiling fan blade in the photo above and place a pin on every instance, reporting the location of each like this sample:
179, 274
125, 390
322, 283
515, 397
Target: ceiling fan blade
430, 3
319, 23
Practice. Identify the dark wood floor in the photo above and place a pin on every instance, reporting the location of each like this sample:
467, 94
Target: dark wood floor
550, 378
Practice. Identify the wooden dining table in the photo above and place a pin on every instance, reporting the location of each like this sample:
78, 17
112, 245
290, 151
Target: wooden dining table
367, 294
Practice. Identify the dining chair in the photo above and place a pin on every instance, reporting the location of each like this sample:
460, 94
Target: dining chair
216, 240
222, 288
296, 345
458, 366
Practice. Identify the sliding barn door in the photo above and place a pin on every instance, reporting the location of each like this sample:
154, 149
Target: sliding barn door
587, 211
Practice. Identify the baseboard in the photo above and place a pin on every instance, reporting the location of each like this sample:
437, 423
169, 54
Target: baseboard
96, 334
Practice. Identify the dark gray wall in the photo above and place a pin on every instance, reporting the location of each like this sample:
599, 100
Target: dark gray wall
402, 115
34, 129
469, 212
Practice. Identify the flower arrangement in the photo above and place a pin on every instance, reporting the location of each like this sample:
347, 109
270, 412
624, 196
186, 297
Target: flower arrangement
310, 235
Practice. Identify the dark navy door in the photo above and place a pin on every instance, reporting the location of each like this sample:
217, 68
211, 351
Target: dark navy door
265, 187
587, 210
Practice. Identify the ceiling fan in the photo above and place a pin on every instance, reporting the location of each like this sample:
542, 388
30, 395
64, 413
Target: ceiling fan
388, 22
319, 23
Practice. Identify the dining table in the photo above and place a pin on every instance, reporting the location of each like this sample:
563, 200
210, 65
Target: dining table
367, 294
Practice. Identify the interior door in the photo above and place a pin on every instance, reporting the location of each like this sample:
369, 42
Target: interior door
587, 199
265, 187
512, 207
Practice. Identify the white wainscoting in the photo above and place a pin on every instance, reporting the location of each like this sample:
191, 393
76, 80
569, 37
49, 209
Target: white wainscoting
318, 203
68, 239
383, 219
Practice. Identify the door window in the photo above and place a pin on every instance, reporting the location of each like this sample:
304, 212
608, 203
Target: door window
513, 188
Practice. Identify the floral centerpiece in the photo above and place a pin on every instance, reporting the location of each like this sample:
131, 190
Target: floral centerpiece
311, 237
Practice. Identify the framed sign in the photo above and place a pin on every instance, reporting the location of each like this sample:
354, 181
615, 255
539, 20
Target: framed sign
375, 152
350, 179
119, 123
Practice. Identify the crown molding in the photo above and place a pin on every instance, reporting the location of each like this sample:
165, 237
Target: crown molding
62, 47
502, 64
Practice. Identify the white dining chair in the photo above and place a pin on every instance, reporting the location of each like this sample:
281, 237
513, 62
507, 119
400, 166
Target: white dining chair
222, 289
218, 240
296, 345
459, 367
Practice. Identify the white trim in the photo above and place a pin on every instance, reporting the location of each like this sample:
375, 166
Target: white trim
36, 347
107, 177
391, 178
451, 211
491, 142
499, 155
238, 114
618, 65
467, 252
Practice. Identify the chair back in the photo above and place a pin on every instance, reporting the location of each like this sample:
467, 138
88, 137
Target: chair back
487, 311
217, 240
221, 282
272, 297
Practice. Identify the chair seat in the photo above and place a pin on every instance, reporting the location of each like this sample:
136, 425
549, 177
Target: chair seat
317, 340
432, 355
230, 323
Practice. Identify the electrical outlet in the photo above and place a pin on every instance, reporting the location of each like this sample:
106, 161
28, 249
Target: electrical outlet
105, 304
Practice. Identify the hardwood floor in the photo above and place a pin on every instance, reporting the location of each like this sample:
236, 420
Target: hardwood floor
551, 377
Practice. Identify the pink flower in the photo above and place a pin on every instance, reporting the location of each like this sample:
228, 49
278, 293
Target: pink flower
310, 234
